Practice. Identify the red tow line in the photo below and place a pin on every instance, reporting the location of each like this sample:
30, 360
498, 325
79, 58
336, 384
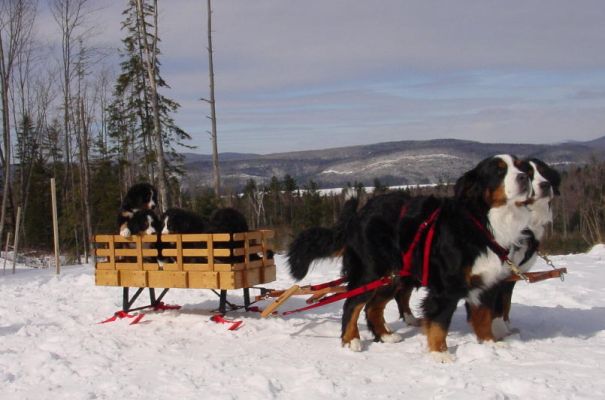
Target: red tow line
123, 314
219, 319
138, 317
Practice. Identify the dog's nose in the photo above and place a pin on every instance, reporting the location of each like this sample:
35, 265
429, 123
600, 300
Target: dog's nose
545, 186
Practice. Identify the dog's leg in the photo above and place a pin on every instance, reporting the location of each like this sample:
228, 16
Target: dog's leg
438, 313
402, 297
375, 316
481, 321
501, 323
350, 315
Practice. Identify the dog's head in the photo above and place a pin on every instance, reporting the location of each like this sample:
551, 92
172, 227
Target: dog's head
497, 181
144, 221
141, 196
545, 180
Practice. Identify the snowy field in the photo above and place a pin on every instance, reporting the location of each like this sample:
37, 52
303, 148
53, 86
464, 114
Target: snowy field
52, 347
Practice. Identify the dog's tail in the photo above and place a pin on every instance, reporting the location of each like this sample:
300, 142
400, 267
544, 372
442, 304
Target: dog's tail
315, 243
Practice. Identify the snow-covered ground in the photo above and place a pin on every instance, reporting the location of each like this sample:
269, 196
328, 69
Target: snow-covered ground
52, 347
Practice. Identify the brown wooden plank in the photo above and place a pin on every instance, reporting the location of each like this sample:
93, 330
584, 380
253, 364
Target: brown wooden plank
149, 266
127, 266
196, 267
106, 278
230, 280
269, 274
133, 278
279, 301
221, 237
195, 237
229, 267
105, 266
252, 249
167, 279
203, 280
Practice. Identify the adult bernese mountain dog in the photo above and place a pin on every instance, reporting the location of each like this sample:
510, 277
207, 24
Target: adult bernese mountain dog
545, 184
460, 263
140, 197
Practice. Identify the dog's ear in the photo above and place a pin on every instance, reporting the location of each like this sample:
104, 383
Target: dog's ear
555, 180
468, 186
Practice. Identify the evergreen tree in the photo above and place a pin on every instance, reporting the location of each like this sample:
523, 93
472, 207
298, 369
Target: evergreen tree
130, 122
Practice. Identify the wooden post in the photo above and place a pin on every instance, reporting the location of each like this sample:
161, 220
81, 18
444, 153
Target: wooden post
16, 244
8, 240
53, 193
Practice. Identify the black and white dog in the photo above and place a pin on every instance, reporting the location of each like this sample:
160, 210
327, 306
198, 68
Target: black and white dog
140, 197
545, 184
460, 263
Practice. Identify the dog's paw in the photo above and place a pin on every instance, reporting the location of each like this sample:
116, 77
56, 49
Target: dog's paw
391, 338
125, 233
353, 345
150, 231
500, 328
442, 357
410, 320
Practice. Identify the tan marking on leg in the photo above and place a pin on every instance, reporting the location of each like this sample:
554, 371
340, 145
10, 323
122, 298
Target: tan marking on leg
435, 335
375, 315
352, 331
481, 321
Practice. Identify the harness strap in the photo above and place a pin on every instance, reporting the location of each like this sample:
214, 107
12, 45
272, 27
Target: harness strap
500, 251
333, 283
350, 293
406, 267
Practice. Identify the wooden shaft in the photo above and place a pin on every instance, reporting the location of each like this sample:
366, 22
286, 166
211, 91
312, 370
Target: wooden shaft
53, 193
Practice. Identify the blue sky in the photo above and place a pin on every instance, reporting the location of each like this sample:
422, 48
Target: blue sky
299, 75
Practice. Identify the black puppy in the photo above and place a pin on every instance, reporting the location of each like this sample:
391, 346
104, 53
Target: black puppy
142, 196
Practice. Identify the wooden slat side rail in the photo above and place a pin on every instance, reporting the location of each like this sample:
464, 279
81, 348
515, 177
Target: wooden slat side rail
196, 261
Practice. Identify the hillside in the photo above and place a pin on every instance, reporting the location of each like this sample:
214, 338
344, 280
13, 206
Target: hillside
394, 163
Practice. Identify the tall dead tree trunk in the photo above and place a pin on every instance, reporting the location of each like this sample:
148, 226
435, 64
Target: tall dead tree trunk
212, 101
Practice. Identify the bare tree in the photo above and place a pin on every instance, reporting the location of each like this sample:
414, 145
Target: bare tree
16, 21
212, 102
70, 16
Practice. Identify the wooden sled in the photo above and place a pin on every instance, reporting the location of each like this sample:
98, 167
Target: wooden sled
318, 294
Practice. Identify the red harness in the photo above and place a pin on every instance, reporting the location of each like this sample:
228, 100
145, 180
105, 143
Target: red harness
406, 268
406, 257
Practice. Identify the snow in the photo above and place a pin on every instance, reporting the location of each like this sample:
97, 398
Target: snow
52, 347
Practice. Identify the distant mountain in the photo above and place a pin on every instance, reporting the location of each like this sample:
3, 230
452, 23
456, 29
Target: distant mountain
394, 163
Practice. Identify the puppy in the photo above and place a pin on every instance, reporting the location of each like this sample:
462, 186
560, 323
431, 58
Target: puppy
140, 197
144, 221
177, 220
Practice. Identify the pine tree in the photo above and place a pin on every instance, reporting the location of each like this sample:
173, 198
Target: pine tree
130, 123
